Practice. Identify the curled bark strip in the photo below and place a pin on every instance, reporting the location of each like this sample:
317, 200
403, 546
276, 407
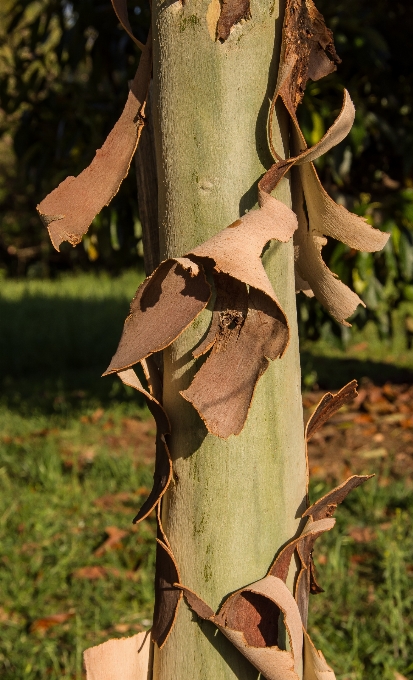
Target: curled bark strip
306, 44
69, 210
315, 665
333, 294
245, 333
167, 596
223, 388
249, 619
121, 11
326, 218
282, 562
163, 464
121, 659
326, 506
330, 219
232, 11
328, 406
308, 52
164, 305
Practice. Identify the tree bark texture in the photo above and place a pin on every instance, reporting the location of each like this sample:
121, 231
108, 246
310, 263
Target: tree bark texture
147, 185
232, 503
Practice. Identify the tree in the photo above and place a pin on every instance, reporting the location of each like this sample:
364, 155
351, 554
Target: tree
230, 486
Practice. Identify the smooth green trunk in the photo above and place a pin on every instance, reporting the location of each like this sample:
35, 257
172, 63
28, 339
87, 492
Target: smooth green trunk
232, 503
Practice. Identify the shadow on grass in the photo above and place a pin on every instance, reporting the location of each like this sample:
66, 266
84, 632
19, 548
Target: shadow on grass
57, 338
335, 372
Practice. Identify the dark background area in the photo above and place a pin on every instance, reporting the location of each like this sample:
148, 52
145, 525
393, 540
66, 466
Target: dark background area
64, 68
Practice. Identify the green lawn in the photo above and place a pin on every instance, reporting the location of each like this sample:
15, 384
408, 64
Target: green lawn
76, 455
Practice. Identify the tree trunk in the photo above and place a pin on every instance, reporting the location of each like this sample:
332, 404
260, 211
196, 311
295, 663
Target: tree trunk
232, 503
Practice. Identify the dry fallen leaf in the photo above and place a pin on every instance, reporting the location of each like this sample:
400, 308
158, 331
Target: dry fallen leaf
90, 573
43, 624
121, 659
114, 540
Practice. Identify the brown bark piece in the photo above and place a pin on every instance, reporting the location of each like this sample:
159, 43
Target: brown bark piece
122, 659
326, 506
167, 596
328, 406
307, 51
223, 388
121, 11
164, 305
330, 219
201, 608
168, 301
256, 616
69, 210
312, 531
249, 619
163, 464
232, 11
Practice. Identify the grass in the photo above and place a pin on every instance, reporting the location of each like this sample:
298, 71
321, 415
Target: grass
76, 458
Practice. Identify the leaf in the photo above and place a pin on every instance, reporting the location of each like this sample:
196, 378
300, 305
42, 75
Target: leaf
121, 659
114, 540
121, 10
232, 11
90, 573
68, 211
94, 573
164, 305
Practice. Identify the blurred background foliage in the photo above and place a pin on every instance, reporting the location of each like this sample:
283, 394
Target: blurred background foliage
64, 68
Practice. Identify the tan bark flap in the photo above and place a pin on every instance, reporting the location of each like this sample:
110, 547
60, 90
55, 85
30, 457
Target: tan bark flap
122, 659
315, 665
69, 210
